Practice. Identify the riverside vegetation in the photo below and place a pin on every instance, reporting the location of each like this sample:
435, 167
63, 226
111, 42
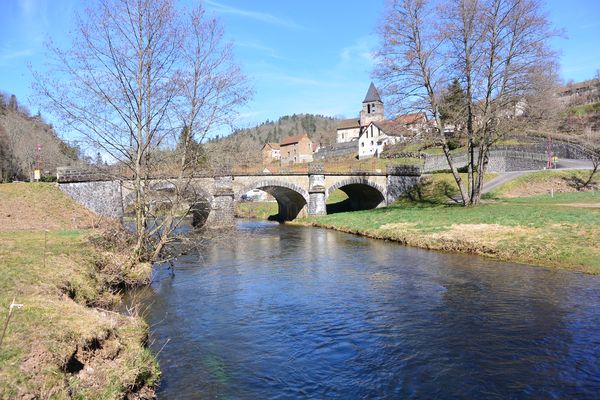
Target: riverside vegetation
559, 231
67, 268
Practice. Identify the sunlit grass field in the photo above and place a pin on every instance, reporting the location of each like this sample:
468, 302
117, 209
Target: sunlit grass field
559, 230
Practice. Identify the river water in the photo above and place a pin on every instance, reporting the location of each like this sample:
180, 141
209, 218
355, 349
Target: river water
283, 312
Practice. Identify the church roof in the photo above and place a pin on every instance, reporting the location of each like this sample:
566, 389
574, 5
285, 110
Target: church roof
372, 94
349, 123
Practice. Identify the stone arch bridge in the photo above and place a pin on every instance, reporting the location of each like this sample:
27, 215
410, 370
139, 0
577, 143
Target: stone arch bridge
212, 199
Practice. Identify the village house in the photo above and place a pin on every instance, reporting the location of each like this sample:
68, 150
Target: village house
271, 152
296, 149
372, 132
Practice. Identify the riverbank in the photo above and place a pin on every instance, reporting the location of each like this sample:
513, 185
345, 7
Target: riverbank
559, 231
67, 267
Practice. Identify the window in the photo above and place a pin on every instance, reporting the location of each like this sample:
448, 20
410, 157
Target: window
373, 108
371, 143
368, 109
363, 144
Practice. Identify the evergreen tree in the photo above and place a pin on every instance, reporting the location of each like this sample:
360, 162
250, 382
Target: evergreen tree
453, 102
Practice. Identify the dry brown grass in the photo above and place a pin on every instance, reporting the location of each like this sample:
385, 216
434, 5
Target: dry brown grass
38, 206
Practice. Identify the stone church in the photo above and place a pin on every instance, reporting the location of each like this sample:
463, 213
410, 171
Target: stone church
372, 132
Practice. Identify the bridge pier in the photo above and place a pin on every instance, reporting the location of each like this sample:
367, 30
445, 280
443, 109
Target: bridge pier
222, 213
316, 190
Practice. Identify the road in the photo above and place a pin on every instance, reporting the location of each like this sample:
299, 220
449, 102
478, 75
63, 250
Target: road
504, 177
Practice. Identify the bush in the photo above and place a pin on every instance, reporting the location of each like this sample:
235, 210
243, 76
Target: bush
465, 169
48, 179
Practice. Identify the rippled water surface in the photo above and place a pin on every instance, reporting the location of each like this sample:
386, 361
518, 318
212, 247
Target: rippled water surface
280, 312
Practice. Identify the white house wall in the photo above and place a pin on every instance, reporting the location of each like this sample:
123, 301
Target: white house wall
347, 135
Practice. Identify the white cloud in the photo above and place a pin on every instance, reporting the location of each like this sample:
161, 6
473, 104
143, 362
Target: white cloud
11, 55
256, 15
269, 51
361, 50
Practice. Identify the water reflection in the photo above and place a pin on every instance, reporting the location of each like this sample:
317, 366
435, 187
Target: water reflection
274, 311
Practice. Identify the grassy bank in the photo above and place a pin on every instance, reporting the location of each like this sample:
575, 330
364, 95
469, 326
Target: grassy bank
560, 232
542, 183
65, 342
256, 209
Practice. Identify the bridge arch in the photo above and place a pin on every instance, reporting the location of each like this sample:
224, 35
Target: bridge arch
362, 193
194, 200
291, 198
199, 202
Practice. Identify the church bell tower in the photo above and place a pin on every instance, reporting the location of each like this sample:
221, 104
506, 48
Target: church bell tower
372, 107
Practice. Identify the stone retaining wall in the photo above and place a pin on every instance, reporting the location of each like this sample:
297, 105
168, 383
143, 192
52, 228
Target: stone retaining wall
499, 161
336, 150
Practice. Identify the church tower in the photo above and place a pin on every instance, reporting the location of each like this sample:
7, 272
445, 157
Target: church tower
372, 107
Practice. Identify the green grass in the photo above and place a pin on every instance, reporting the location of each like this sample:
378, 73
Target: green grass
566, 199
585, 109
336, 196
256, 209
59, 286
533, 232
546, 181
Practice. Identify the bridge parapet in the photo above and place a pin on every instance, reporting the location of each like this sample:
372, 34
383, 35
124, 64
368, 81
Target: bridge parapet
403, 170
79, 174
316, 168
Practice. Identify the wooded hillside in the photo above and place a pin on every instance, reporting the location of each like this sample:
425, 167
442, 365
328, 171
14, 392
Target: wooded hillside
243, 145
20, 134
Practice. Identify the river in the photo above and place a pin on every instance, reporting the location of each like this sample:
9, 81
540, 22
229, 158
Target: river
284, 312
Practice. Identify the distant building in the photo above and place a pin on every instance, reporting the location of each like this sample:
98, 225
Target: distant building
296, 149
372, 132
271, 152
372, 110
585, 92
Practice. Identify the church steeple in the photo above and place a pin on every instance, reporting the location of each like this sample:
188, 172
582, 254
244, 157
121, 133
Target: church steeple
372, 109
372, 95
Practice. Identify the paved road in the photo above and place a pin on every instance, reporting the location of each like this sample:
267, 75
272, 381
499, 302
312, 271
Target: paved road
504, 177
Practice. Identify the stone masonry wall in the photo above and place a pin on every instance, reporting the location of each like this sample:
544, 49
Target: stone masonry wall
560, 149
336, 150
499, 161
102, 197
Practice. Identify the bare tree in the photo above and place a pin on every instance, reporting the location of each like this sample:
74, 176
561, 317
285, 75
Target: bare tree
494, 47
591, 144
411, 66
137, 73
212, 88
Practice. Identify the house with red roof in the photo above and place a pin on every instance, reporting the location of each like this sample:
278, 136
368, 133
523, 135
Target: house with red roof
296, 149
270, 152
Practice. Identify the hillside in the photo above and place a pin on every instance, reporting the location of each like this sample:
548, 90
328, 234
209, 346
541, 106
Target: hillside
245, 144
20, 134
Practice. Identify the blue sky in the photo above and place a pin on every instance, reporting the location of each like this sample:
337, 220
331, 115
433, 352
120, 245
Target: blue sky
308, 56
